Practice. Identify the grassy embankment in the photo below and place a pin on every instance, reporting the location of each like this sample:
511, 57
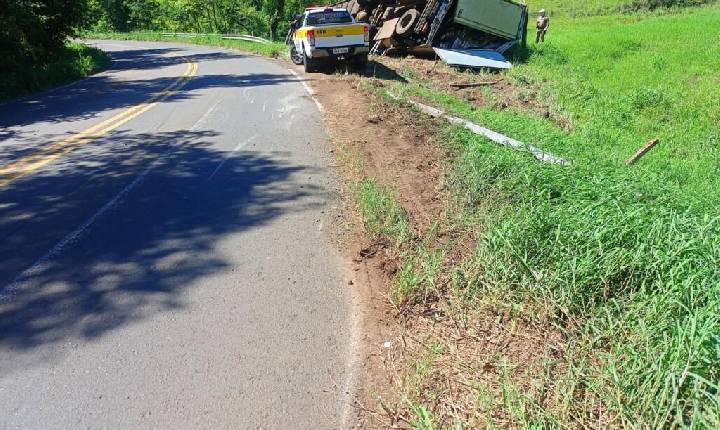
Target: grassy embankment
74, 62
624, 260
273, 49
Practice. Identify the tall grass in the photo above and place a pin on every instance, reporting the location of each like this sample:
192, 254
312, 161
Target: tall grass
383, 215
637, 280
623, 81
73, 62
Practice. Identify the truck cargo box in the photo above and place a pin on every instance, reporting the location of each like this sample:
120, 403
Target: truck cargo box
498, 17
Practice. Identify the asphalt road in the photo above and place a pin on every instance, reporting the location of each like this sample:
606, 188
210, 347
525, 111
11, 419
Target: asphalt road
164, 260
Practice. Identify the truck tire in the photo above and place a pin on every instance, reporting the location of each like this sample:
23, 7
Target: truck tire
387, 13
360, 62
310, 65
406, 23
295, 56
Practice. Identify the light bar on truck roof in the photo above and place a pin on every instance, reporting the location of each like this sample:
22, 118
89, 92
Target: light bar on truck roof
324, 9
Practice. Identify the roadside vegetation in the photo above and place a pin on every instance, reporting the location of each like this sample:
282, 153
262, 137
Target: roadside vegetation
585, 295
35, 36
271, 49
34, 45
71, 62
266, 18
622, 261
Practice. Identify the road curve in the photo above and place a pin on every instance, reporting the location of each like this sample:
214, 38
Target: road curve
164, 260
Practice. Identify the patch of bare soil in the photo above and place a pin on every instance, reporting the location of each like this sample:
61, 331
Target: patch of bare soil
455, 357
392, 145
479, 89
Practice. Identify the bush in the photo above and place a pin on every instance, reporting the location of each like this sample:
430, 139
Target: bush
73, 61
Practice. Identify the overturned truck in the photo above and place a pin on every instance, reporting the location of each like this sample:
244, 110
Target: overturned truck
468, 33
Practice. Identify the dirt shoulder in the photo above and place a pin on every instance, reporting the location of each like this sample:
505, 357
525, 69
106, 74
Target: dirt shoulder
370, 139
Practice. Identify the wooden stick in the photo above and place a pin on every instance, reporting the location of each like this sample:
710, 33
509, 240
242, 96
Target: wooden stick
642, 151
472, 84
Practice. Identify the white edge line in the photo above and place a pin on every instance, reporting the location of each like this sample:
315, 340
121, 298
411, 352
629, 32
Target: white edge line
309, 90
352, 365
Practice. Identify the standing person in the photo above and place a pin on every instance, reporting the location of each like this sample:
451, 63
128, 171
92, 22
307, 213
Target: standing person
541, 23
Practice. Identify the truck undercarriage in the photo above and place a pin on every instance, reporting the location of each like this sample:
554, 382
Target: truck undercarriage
468, 26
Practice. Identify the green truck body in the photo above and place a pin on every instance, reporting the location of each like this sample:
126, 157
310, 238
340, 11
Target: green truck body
499, 17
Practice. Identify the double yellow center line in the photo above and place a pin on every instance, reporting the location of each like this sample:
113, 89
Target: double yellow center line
50, 153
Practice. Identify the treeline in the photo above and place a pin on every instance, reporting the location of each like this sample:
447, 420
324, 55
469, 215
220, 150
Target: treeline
32, 30
34, 44
266, 18
34, 34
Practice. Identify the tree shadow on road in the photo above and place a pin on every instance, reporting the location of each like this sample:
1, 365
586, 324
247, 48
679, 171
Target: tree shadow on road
142, 249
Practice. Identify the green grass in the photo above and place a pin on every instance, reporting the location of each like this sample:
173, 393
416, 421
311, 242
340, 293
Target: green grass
414, 387
416, 277
580, 8
273, 49
383, 215
638, 280
75, 61
625, 82
625, 260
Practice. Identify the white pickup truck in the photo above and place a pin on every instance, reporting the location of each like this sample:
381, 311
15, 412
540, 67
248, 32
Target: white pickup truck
328, 34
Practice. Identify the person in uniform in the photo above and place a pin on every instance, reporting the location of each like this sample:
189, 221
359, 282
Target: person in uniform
541, 23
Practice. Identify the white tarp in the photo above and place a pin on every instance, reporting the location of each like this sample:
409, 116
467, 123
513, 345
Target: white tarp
473, 58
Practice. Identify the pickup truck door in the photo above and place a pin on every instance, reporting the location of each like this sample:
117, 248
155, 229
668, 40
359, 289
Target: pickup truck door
297, 40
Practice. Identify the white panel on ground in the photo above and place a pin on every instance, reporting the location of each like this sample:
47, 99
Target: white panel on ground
473, 58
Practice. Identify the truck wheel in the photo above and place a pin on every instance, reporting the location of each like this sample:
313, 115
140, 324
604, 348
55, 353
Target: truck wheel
310, 64
407, 22
360, 62
295, 56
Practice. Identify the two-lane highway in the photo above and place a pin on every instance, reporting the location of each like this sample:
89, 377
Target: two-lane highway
164, 259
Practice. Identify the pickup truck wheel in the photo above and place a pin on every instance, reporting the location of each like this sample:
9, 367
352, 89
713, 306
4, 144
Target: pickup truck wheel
295, 56
310, 64
360, 62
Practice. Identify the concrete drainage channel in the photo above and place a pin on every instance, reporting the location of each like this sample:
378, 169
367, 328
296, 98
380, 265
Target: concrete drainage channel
494, 136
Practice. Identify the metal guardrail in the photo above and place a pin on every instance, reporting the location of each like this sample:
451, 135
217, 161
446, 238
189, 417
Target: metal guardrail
245, 37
